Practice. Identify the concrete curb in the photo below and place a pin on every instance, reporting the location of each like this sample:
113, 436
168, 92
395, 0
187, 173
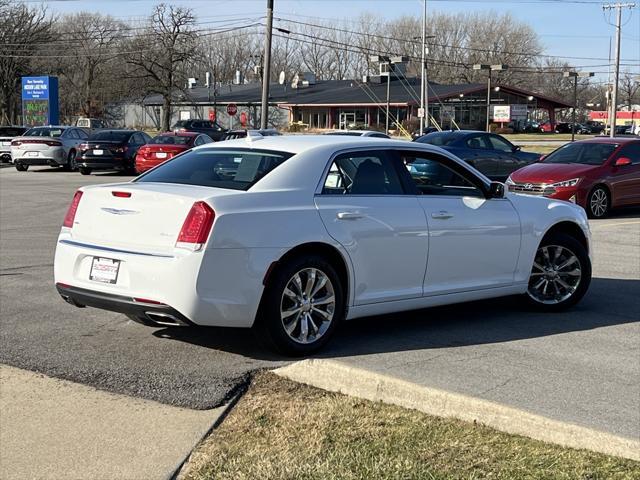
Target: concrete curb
337, 377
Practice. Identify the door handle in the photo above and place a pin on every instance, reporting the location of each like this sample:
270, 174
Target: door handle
349, 215
441, 215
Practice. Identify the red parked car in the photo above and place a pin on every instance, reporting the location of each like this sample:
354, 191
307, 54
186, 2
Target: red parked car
598, 174
167, 145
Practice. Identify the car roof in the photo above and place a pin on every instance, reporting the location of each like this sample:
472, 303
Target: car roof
299, 143
606, 139
179, 134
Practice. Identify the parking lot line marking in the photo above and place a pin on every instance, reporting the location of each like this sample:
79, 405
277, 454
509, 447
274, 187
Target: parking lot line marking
615, 224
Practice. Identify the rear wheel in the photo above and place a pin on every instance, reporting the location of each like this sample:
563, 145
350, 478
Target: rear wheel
560, 275
598, 203
85, 171
301, 307
21, 167
71, 161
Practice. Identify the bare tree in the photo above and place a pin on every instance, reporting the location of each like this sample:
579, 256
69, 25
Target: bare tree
23, 30
630, 89
158, 56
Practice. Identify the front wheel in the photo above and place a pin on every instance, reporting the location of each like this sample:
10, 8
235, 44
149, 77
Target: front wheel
302, 305
598, 203
85, 171
560, 275
21, 167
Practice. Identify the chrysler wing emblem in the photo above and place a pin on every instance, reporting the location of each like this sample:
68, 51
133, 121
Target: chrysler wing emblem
120, 211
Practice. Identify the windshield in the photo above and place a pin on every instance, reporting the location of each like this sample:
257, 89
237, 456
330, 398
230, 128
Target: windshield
44, 132
438, 138
236, 169
111, 136
171, 140
583, 153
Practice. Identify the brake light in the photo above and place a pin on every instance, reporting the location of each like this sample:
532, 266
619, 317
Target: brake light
53, 143
196, 228
146, 300
121, 194
73, 208
16, 143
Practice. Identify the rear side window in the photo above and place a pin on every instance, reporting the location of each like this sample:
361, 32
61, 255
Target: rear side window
438, 138
236, 169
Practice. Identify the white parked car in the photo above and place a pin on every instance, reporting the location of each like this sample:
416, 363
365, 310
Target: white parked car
294, 234
56, 146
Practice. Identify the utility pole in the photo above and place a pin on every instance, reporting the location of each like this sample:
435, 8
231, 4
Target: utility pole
614, 102
266, 70
424, 102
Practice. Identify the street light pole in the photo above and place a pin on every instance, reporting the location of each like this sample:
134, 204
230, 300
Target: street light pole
266, 69
390, 67
575, 76
423, 85
488, 100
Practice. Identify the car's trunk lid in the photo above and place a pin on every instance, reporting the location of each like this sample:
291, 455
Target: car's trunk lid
138, 217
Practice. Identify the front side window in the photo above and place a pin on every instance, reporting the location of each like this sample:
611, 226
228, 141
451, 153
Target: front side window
631, 152
363, 173
500, 144
432, 176
237, 169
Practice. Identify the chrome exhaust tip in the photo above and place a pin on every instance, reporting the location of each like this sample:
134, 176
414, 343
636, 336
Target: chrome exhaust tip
164, 319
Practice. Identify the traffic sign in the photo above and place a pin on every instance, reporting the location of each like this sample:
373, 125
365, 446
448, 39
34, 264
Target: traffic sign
232, 109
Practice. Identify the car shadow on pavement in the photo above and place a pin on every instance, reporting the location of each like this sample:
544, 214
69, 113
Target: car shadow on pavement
609, 302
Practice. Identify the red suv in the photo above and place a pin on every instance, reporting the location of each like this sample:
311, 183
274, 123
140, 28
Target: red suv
597, 174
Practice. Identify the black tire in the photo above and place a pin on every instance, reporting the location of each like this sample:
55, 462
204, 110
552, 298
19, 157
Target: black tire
85, 171
270, 326
21, 167
71, 164
574, 247
594, 206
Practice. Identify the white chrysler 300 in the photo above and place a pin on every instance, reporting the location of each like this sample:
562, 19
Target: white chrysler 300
293, 234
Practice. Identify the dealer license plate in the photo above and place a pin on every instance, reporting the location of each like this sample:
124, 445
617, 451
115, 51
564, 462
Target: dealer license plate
98, 152
104, 270
161, 155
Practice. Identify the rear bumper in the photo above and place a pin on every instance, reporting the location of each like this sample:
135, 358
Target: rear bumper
38, 161
213, 287
150, 313
112, 163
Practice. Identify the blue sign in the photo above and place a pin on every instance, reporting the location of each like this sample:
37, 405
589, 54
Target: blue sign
40, 101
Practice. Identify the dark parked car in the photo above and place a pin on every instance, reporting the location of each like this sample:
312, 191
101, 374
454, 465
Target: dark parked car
562, 127
6, 135
215, 131
492, 154
241, 133
111, 150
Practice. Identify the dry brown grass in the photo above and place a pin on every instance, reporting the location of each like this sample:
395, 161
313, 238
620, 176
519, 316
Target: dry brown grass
284, 430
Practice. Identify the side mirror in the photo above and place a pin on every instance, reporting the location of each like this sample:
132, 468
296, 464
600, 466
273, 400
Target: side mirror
496, 190
542, 157
517, 148
622, 162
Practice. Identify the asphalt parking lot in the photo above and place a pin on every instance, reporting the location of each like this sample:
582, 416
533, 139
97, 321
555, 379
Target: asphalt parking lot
580, 366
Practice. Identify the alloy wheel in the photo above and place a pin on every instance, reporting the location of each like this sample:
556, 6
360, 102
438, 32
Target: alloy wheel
555, 276
308, 306
598, 202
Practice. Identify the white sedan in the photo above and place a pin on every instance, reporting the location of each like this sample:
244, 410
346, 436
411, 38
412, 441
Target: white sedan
292, 235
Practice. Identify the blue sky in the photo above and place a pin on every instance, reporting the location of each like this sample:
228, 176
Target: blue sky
574, 28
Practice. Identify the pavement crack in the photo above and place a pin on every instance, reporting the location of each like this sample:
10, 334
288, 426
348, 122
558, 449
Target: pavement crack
26, 267
495, 387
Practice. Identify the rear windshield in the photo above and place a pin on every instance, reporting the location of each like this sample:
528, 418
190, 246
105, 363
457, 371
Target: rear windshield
44, 132
236, 169
11, 131
171, 140
438, 138
583, 153
112, 136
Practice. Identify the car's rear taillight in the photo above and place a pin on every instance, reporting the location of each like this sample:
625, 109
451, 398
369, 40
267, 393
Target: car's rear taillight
16, 143
197, 226
73, 208
53, 143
